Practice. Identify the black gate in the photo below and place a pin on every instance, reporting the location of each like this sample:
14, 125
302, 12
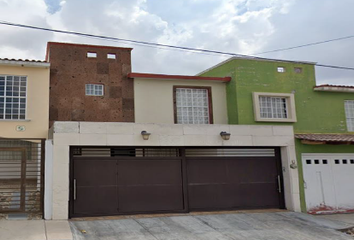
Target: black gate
21, 177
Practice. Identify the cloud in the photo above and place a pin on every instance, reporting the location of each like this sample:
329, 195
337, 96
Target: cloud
238, 26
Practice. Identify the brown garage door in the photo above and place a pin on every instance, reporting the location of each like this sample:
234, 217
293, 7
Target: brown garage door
107, 181
122, 185
244, 179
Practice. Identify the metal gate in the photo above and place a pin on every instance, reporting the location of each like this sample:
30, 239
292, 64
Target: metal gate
223, 179
130, 180
21, 177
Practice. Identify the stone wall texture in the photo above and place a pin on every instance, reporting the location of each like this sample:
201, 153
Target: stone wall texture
71, 69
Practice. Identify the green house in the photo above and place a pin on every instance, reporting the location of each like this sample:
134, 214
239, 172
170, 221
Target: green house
276, 92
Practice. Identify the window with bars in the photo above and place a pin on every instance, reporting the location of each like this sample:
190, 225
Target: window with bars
273, 107
349, 114
94, 90
13, 91
192, 105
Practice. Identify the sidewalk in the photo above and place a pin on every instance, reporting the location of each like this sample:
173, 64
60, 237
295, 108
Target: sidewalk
34, 230
344, 217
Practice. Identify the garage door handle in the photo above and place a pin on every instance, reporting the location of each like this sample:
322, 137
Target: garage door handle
279, 184
74, 189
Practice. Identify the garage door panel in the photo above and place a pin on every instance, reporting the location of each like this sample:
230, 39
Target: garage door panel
211, 196
259, 195
150, 185
95, 172
233, 183
149, 172
96, 200
252, 170
150, 198
206, 171
343, 177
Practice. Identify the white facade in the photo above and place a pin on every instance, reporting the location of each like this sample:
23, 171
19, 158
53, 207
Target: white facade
66, 134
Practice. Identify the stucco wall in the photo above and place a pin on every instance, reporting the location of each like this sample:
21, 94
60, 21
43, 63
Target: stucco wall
66, 134
312, 107
37, 109
154, 100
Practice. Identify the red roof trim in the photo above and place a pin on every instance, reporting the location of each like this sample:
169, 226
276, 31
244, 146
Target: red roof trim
336, 86
334, 137
182, 77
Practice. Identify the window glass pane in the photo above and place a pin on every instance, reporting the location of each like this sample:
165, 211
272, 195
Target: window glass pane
273, 107
94, 89
192, 106
349, 113
12, 92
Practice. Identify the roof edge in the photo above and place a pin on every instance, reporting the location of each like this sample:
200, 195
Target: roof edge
256, 59
24, 63
177, 77
85, 45
334, 88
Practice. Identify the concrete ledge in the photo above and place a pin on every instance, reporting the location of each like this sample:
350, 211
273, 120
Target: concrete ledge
120, 133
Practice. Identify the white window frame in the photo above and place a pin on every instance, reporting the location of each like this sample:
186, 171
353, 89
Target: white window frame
19, 97
92, 92
290, 105
349, 114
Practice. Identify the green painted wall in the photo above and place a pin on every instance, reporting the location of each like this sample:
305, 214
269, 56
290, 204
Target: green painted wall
312, 108
317, 112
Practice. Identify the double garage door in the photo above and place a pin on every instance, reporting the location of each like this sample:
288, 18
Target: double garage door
114, 181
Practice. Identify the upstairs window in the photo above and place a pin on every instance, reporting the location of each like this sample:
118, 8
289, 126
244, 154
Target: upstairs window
13, 97
274, 107
349, 113
281, 69
94, 90
91, 55
111, 56
297, 69
193, 105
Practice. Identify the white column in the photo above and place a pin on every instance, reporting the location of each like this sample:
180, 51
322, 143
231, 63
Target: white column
48, 179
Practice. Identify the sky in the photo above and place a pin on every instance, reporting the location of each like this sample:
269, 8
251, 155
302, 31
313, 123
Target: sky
238, 26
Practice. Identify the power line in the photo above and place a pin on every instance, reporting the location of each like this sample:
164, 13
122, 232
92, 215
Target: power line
332, 66
159, 45
305, 45
121, 39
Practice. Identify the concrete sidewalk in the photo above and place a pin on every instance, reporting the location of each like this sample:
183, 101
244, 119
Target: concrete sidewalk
34, 230
343, 217
238, 226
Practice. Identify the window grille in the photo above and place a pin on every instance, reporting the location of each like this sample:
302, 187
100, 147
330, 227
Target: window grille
349, 113
192, 106
94, 89
13, 97
273, 107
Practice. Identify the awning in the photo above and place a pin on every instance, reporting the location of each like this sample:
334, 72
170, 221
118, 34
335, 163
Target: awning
326, 138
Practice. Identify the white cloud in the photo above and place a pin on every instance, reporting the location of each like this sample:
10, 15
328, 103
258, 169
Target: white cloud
239, 26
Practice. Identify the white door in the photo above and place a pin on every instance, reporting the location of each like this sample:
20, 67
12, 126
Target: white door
329, 182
